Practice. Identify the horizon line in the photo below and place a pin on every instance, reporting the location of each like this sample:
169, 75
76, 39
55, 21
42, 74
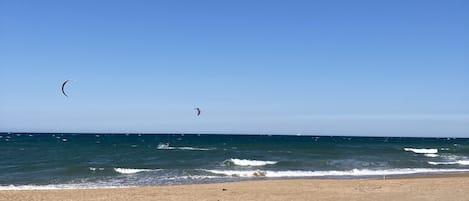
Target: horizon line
221, 133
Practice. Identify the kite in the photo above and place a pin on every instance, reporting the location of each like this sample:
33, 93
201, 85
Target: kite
63, 86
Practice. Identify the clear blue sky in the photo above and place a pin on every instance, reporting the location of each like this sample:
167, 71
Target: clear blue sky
281, 67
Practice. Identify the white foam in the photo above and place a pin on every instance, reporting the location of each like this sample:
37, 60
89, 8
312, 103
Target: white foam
452, 157
422, 151
441, 163
167, 147
463, 162
57, 187
192, 148
164, 146
354, 172
246, 162
459, 162
132, 170
193, 177
432, 155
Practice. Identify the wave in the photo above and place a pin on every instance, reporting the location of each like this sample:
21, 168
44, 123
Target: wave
57, 187
459, 162
432, 155
166, 146
132, 170
193, 177
354, 172
102, 184
94, 169
422, 151
193, 148
246, 162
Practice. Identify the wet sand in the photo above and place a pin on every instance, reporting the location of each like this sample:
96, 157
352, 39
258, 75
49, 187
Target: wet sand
443, 187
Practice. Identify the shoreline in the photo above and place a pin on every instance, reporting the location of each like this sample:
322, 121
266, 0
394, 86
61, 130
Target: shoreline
416, 187
47, 187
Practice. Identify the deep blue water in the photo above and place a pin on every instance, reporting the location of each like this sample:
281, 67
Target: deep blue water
113, 160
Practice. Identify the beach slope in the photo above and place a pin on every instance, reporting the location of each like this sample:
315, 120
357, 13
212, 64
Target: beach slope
430, 188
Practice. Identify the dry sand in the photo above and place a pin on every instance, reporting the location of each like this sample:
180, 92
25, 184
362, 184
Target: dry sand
449, 187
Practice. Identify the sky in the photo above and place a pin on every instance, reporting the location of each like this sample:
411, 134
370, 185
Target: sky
373, 68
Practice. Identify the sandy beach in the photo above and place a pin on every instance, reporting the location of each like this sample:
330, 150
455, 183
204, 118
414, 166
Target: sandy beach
448, 187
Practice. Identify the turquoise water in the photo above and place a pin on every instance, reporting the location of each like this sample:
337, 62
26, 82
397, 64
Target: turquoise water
116, 160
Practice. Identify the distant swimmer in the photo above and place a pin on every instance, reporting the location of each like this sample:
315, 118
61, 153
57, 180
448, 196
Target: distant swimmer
198, 111
63, 86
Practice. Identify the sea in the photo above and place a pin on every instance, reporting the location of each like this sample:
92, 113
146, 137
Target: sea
82, 161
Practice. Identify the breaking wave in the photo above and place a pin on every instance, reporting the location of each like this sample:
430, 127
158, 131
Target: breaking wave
354, 172
165, 146
132, 170
246, 162
459, 162
58, 187
422, 151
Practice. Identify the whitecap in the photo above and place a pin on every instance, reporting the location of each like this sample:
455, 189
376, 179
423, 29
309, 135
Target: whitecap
132, 170
432, 155
458, 162
353, 172
463, 162
452, 157
94, 169
246, 162
422, 151
193, 148
165, 146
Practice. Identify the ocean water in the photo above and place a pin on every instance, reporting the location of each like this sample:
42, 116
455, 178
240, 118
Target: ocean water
57, 161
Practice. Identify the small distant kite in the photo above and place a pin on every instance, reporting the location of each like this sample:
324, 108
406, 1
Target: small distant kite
63, 86
198, 111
